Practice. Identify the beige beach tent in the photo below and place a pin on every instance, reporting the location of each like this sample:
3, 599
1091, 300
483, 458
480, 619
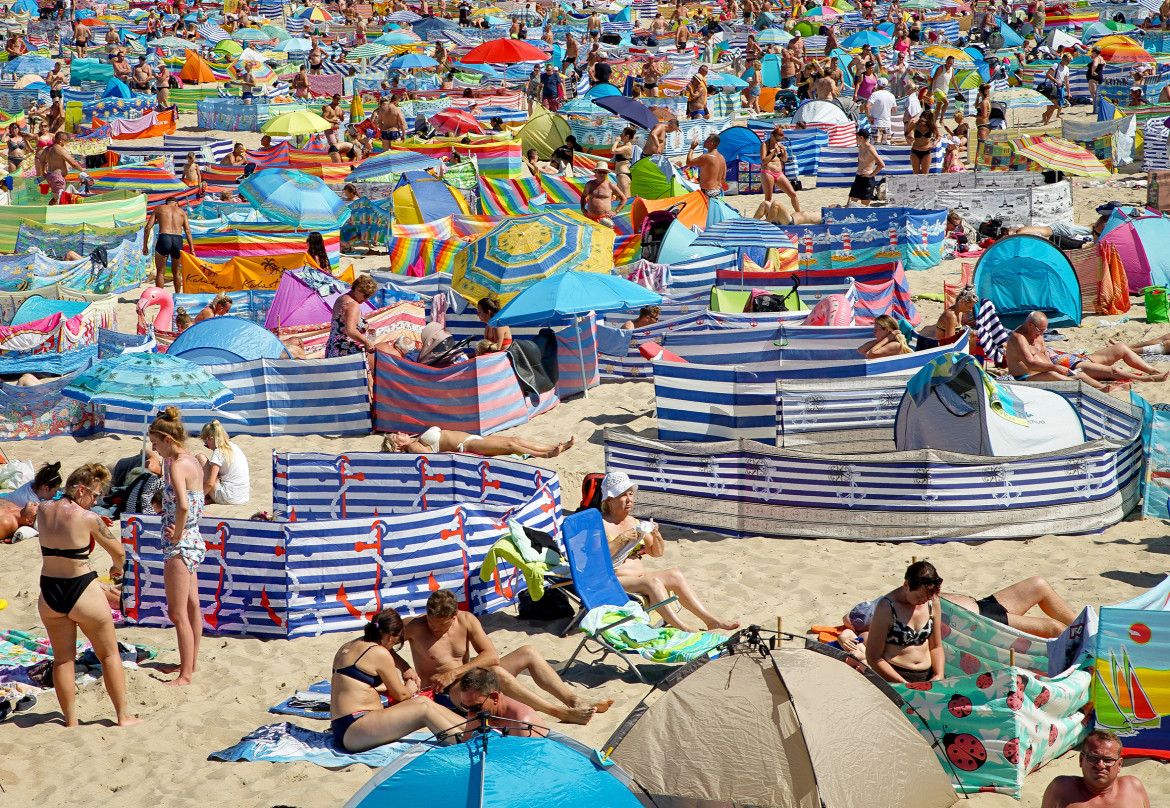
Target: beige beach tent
791, 728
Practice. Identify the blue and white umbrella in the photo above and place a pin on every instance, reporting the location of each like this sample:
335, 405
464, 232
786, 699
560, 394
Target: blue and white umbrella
412, 61
404, 16
732, 234
28, 63
295, 198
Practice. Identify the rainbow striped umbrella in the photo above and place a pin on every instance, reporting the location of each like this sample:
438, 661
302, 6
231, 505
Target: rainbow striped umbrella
821, 11
1122, 49
146, 178
1058, 154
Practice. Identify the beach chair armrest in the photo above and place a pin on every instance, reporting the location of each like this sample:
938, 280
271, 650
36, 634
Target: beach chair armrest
625, 620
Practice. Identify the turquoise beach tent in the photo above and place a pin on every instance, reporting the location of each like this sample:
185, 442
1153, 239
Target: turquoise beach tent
1022, 274
225, 341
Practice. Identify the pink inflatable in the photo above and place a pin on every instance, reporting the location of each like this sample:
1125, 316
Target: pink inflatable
831, 310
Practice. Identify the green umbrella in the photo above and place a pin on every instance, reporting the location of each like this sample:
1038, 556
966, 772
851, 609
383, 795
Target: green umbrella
369, 50
276, 32
922, 5
229, 46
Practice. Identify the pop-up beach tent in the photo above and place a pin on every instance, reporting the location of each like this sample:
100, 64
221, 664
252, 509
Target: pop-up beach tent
1142, 239
420, 197
306, 297
1022, 274
225, 341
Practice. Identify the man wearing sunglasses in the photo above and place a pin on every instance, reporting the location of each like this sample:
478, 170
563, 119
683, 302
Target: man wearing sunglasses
1100, 784
479, 694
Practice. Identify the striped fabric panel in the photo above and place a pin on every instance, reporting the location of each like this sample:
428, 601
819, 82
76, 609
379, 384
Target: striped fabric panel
635, 366
1155, 156
577, 358
1087, 266
990, 332
218, 148
723, 401
279, 397
262, 239
481, 396
852, 411
838, 166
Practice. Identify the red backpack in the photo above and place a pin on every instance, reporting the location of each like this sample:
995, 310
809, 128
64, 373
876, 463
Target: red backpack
591, 491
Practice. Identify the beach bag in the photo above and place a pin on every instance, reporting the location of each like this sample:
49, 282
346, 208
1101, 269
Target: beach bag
1157, 309
554, 605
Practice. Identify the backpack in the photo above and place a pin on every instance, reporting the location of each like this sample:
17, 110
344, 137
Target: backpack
591, 491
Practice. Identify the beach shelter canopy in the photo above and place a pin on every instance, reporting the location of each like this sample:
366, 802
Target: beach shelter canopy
570, 293
1021, 274
739, 143
769, 729
28, 63
294, 198
520, 250
151, 179
195, 70
545, 131
392, 162
306, 297
504, 51
498, 772
420, 198
819, 112
655, 177
695, 210
226, 340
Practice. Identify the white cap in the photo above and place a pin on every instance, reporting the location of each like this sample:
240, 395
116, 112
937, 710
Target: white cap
615, 484
883, 81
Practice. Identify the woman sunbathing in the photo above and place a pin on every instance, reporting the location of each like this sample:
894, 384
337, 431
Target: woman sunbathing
887, 339
951, 320
363, 669
434, 440
630, 538
905, 638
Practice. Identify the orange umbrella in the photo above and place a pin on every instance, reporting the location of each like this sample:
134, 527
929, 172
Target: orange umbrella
1122, 49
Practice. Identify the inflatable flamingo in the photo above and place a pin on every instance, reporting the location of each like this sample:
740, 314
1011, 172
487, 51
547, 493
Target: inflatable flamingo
164, 320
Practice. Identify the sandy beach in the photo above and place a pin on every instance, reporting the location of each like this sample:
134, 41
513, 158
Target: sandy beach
164, 761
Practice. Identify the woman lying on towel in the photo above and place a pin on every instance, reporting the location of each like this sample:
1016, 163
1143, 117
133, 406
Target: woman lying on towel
435, 440
366, 668
629, 539
887, 339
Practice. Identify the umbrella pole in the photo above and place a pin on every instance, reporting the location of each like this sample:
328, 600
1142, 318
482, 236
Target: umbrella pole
581, 359
145, 423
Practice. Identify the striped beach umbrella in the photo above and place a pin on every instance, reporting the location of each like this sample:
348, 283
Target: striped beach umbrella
368, 51
212, 33
392, 162
314, 14
1123, 50
773, 36
1058, 154
404, 16
145, 178
261, 72
734, 234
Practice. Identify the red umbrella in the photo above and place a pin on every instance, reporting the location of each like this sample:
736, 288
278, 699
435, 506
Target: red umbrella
504, 51
456, 122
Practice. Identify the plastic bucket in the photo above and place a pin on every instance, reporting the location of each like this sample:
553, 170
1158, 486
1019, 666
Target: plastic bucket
1157, 306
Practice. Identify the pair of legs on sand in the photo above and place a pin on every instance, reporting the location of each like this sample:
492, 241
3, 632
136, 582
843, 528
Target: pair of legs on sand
1019, 599
658, 585
1099, 368
182, 589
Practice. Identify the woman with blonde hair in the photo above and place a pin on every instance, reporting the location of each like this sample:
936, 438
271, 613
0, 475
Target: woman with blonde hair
71, 596
887, 339
183, 548
347, 327
219, 306
226, 480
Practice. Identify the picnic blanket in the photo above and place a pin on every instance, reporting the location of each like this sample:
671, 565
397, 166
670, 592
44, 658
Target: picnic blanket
664, 644
288, 743
28, 659
312, 702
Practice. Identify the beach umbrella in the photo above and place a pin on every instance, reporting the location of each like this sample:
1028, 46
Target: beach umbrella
773, 36
732, 234
212, 33
1058, 154
456, 122
821, 11
170, 43
398, 161
251, 36
571, 294
295, 44
368, 51
395, 38
1122, 49
628, 109
433, 24
1019, 98
922, 5
404, 16
276, 32
261, 72
602, 91
520, 250
297, 122
229, 47
724, 81
940, 53
147, 382
871, 38
967, 79
491, 771
412, 61
28, 63
295, 198
314, 14
526, 16
144, 178
504, 51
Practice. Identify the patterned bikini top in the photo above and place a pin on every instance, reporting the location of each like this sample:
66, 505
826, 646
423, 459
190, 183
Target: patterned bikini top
902, 634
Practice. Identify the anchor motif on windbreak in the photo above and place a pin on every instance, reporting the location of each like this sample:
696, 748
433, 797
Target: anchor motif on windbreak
715, 483
1081, 474
760, 469
923, 479
141, 572
658, 471
1001, 476
460, 538
486, 482
212, 615
337, 508
378, 531
427, 481
846, 475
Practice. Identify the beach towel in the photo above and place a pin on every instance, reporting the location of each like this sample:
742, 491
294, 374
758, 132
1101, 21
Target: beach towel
613, 341
1112, 283
288, 743
990, 331
312, 702
665, 644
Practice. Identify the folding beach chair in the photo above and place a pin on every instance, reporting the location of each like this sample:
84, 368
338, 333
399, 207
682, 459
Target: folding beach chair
595, 584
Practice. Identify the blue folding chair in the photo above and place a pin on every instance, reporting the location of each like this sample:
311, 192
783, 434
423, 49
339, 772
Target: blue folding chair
595, 584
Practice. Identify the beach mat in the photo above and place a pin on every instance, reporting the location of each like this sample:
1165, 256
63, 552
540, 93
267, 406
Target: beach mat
312, 702
288, 743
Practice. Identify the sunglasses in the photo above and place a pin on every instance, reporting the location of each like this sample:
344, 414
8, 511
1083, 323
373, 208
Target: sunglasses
1108, 761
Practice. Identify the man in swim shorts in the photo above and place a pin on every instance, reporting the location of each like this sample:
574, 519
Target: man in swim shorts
712, 167
172, 225
598, 194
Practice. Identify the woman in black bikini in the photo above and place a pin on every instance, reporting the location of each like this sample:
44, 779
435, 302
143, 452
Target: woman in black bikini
923, 138
905, 638
360, 722
71, 596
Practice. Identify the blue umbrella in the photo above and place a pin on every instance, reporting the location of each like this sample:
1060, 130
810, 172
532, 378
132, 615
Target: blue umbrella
29, 63
392, 162
146, 382
571, 293
628, 109
871, 38
412, 61
295, 198
601, 91
395, 38
492, 771
28, 7
291, 45
433, 24
404, 16
733, 234
725, 81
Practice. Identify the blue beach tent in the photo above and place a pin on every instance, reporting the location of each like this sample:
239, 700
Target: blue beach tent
1022, 274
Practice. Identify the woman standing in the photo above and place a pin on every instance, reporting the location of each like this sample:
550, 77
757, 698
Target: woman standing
924, 136
755, 83
1095, 72
226, 480
773, 157
347, 328
905, 634
71, 596
183, 547
623, 155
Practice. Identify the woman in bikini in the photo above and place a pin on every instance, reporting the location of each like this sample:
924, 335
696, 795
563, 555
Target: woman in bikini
435, 440
366, 668
17, 148
183, 547
773, 156
498, 335
950, 322
923, 138
71, 596
629, 539
623, 154
887, 339
905, 635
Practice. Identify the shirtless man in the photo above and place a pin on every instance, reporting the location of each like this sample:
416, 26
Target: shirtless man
81, 37
172, 225
598, 194
659, 26
1101, 784
656, 139
235, 157
479, 693
13, 517
58, 158
824, 88
790, 65
797, 45
441, 644
390, 121
316, 56
571, 52
697, 99
121, 67
56, 81
869, 165
1029, 359
142, 75
332, 113
712, 167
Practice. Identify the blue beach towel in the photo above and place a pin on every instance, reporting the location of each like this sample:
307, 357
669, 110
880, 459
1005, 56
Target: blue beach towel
306, 706
288, 743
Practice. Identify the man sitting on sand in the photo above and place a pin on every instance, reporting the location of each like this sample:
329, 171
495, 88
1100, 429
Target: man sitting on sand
647, 316
13, 517
1029, 359
441, 643
1101, 784
479, 692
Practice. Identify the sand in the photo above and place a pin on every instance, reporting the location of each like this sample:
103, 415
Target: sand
164, 761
